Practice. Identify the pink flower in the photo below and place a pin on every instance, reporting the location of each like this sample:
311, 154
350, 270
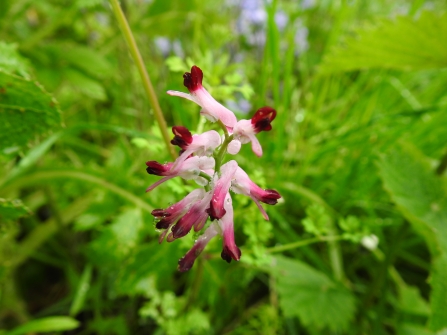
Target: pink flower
200, 145
189, 168
167, 217
242, 184
230, 249
245, 130
196, 216
211, 109
186, 263
222, 185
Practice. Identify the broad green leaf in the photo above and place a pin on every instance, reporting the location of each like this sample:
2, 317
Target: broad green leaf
26, 111
422, 199
309, 294
11, 61
12, 210
44, 325
404, 43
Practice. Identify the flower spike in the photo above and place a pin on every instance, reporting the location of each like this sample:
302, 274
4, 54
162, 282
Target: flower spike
201, 159
211, 109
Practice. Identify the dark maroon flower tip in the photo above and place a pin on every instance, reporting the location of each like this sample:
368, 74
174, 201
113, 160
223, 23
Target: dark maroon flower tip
160, 213
215, 212
156, 168
228, 255
263, 118
193, 80
163, 223
182, 137
270, 197
180, 230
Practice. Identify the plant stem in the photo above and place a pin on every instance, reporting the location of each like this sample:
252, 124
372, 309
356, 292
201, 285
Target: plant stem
221, 153
147, 84
299, 244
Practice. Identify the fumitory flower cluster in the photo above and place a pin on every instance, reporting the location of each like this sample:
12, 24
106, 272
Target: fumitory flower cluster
201, 159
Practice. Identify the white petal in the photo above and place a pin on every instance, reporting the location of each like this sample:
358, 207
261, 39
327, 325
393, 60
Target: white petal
234, 147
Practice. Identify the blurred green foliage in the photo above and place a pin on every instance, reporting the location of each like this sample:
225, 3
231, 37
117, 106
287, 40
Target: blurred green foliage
358, 151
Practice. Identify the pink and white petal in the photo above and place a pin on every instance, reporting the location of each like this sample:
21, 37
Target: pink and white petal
234, 147
230, 249
183, 95
161, 181
256, 146
221, 188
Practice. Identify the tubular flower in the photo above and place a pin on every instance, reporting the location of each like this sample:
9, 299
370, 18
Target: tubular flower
188, 169
202, 159
211, 109
200, 145
196, 216
167, 217
242, 184
217, 209
186, 262
245, 130
230, 249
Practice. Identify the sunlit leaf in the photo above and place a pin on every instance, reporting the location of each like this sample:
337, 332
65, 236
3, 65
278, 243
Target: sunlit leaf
404, 43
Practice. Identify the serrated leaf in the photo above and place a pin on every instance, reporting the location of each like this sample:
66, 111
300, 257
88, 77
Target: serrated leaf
26, 111
12, 209
422, 199
403, 44
44, 325
309, 294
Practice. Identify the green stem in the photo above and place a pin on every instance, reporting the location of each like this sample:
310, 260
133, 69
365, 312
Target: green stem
204, 175
42, 176
147, 84
299, 244
222, 151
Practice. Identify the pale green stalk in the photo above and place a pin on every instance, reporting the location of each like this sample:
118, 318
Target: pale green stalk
147, 84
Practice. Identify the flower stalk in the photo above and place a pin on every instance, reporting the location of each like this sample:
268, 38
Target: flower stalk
147, 84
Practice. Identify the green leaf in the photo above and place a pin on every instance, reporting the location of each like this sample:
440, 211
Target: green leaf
81, 292
309, 294
26, 110
11, 61
44, 325
12, 210
403, 44
422, 199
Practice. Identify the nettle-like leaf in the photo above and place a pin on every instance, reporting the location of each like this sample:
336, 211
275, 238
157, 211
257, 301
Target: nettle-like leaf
422, 199
26, 111
404, 43
312, 296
